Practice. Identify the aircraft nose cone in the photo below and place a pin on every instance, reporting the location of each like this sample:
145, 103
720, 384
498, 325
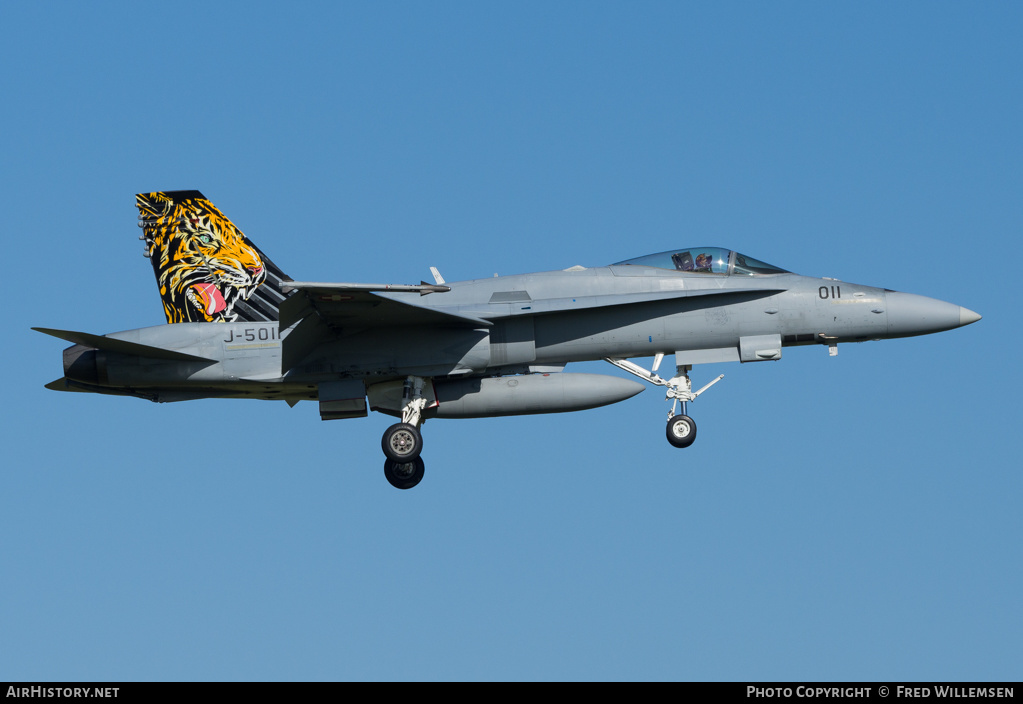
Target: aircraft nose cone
967, 316
910, 314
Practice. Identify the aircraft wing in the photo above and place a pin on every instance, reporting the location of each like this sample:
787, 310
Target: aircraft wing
360, 305
422, 288
320, 311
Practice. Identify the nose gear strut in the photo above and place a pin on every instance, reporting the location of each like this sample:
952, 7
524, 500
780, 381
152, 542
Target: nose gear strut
681, 429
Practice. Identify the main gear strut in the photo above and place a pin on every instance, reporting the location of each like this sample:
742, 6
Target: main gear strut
403, 442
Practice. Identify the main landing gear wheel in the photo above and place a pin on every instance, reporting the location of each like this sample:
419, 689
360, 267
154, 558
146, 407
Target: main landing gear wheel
681, 431
402, 443
404, 475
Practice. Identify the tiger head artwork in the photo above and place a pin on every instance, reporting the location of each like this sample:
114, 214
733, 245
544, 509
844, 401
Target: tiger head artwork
204, 265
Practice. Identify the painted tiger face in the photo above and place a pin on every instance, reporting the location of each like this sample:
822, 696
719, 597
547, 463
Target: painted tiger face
203, 263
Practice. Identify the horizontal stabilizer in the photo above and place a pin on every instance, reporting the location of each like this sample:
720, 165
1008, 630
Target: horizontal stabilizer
112, 344
61, 384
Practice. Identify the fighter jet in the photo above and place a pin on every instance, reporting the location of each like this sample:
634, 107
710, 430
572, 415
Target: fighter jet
238, 327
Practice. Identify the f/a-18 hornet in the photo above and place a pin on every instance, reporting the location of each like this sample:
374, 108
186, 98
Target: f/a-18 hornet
238, 327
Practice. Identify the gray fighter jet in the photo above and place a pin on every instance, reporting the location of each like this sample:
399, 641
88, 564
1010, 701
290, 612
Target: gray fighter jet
238, 327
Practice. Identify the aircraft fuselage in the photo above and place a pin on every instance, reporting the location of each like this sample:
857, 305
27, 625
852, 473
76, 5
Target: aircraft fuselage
618, 311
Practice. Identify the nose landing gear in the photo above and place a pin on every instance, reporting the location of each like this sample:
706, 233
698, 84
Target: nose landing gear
681, 430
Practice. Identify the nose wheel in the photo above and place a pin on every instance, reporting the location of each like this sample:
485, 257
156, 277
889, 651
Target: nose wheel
681, 431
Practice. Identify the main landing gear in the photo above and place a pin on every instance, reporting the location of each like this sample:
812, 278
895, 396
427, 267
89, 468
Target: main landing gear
681, 430
403, 442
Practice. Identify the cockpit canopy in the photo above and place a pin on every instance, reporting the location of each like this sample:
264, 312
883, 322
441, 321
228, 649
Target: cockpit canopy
705, 260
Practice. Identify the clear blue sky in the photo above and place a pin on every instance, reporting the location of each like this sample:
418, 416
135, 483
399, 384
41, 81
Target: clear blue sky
851, 518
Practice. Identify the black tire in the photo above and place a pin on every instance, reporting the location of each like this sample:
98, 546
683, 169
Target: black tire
681, 431
404, 475
402, 442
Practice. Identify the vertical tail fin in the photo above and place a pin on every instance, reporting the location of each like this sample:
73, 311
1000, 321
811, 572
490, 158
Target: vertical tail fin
207, 270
